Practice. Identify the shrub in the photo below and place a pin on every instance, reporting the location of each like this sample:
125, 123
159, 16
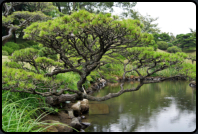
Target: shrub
21, 46
35, 47
174, 49
170, 44
162, 45
7, 49
25, 44
31, 43
12, 45
4, 53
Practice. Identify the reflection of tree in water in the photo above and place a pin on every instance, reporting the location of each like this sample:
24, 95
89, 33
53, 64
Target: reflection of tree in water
135, 109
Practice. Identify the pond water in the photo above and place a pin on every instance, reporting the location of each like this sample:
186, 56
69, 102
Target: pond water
168, 106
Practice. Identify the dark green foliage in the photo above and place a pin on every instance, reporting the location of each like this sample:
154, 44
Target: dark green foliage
31, 43
4, 53
162, 45
7, 49
12, 45
21, 46
25, 44
186, 40
161, 37
170, 44
173, 49
43, 52
35, 47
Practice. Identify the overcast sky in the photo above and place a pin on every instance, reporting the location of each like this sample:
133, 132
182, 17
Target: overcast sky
175, 17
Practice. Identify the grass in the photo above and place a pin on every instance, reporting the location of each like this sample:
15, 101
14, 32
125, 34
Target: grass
17, 113
20, 113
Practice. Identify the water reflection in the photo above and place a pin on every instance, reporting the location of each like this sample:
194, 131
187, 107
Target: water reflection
158, 107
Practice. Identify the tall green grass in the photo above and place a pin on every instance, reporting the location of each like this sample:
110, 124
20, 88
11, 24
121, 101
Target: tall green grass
20, 114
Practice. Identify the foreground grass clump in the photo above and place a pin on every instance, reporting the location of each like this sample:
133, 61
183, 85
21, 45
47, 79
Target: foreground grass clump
20, 113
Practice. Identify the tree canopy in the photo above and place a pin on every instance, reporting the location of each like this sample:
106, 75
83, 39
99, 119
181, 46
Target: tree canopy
186, 40
161, 37
81, 40
93, 7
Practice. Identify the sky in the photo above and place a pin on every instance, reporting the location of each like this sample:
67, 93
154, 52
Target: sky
174, 17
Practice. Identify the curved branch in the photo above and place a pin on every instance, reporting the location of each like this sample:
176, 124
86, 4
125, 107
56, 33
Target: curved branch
62, 71
111, 95
11, 30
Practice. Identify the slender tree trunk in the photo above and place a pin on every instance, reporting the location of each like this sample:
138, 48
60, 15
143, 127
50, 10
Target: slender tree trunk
14, 34
59, 8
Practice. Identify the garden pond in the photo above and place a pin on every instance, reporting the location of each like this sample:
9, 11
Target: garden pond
168, 106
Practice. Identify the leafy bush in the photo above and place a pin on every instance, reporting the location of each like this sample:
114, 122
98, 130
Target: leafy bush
162, 45
12, 45
4, 53
174, 49
31, 43
25, 44
35, 47
170, 44
7, 49
21, 46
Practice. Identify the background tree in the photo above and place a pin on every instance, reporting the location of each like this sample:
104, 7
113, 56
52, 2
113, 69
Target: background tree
172, 38
81, 40
162, 37
147, 20
145, 57
14, 20
186, 41
93, 7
